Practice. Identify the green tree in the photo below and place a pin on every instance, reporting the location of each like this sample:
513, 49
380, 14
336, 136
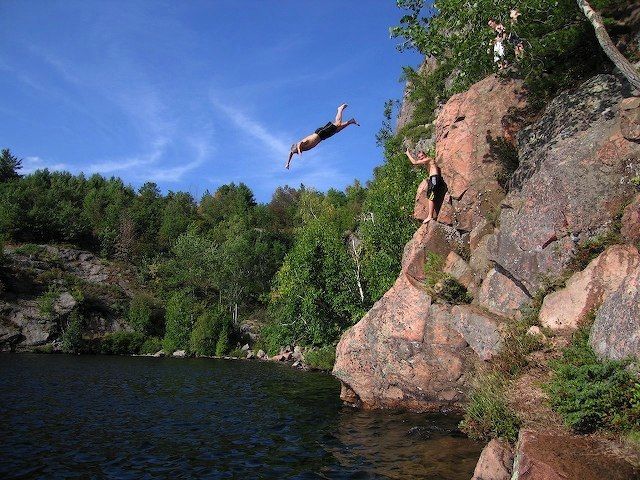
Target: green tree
315, 294
9, 166
178, 213
180, 314
207, 330
387, 223
560, 47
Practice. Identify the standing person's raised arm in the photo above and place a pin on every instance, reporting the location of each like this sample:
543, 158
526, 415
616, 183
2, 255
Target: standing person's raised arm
422, 161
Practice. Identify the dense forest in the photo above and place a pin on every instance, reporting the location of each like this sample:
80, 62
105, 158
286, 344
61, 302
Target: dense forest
308, 264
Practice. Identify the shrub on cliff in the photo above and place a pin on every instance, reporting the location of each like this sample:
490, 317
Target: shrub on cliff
487, 414
443, 286
591, 394
387, 223
47, 300
72, 334
560, 47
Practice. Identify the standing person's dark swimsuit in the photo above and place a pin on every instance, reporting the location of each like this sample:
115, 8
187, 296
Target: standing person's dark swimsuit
435, 183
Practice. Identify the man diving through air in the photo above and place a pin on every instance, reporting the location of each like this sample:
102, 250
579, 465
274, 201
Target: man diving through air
322, 133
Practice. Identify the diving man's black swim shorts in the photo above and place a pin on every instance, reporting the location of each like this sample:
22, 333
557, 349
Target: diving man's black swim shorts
327, 131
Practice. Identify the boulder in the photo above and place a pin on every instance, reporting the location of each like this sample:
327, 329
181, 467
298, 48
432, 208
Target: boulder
630, 118
615, 333
468, 129
630, 228
179, 354
433, 237
479, 261
574, 177
261, 354
559, 456
455, 266
480, 329
587, 289
404, 353
64, 304
501, 295
495, 462
10, 336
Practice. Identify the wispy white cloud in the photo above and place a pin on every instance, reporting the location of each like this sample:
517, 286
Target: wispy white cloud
277, 147
31, 164
202, 149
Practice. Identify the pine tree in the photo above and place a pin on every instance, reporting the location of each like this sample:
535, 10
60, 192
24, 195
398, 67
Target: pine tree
9, 166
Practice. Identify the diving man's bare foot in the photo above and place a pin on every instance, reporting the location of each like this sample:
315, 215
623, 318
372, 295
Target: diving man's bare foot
426, 220
343, 106
354, 122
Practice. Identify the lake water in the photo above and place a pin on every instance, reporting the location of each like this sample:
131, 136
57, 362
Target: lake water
137, 417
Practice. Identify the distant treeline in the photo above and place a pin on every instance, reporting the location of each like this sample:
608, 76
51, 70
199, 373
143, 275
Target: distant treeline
306, 265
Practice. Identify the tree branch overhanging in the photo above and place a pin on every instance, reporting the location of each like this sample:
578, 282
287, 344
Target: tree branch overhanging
608, 46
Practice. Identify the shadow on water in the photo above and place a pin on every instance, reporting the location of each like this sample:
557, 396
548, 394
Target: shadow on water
125, 417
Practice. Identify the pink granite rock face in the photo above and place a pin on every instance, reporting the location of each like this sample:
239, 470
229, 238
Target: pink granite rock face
466, 128
574, 176
495, 462
404, 354
615, 334
500, 295
630, 229
630, 118
587, 289
556, 456
408, 352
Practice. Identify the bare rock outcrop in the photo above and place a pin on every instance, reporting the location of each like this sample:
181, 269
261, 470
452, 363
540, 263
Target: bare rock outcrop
574, 176
45, 270
630, 223
587, 289
467, 131
408, 351
501, 295
495, 462
615, 334
558, 456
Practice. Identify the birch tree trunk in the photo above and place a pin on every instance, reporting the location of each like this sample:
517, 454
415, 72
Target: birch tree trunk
607, 45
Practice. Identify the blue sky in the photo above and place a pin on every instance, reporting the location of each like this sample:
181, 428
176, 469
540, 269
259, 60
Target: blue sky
195, 94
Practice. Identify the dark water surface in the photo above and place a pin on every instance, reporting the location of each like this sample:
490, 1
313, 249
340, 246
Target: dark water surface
136, 417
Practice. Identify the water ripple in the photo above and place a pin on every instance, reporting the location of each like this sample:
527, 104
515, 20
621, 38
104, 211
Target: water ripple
147, 418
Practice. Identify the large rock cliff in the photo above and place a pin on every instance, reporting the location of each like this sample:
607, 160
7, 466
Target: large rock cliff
576, 182
41, 285
409, 351
574, 177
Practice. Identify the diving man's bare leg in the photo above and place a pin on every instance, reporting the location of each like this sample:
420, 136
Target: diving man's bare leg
338, 120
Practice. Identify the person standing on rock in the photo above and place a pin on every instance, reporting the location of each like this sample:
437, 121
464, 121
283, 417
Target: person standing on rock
322, 133
436, 183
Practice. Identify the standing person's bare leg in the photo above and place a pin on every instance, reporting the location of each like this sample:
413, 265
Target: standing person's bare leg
432, 207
